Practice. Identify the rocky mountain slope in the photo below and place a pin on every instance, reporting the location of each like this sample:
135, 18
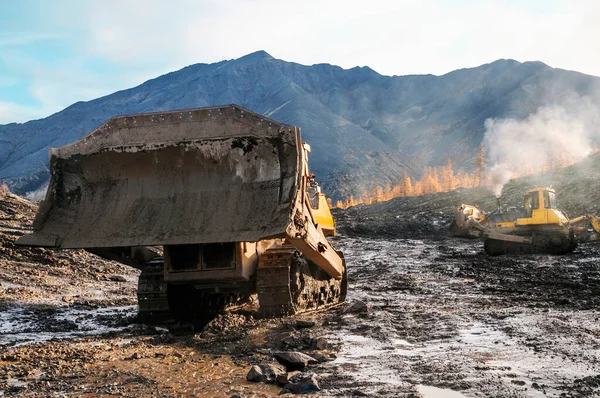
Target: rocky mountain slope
361, 125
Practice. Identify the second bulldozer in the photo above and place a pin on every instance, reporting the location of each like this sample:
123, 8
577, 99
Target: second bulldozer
540, 227
211, 204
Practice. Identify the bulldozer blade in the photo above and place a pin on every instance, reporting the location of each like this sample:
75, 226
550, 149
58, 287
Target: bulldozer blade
466, 223
207, 175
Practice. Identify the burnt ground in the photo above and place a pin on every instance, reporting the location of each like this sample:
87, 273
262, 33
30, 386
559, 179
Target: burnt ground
427, 217
426, 316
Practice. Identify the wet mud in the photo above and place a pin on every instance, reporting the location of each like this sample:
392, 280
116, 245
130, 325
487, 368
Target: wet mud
442, 319
428, 317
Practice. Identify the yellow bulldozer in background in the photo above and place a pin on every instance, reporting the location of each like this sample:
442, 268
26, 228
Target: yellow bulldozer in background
211, 204
540, 227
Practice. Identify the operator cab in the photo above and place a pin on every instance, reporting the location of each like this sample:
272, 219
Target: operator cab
540, 208
313, 191
539, 198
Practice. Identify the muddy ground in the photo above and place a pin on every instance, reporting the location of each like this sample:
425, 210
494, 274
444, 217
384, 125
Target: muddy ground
445, 315
427, 316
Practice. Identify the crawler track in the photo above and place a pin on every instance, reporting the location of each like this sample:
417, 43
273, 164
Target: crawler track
158, 301
152, 291
288, 283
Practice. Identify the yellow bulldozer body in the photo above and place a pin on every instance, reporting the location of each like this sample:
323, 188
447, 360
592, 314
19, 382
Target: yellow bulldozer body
539, 205
541, 226
219, 188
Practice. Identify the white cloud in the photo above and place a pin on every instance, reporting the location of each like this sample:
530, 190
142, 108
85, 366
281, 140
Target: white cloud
22, 39
57, 85
134, 32
393, 37
151, 37
7, 81
15, 113
5, 112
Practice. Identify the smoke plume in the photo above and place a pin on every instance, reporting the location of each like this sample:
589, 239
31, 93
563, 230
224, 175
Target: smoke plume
499, 175
552, 136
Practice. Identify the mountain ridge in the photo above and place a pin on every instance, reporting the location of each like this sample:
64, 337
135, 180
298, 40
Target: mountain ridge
362, 126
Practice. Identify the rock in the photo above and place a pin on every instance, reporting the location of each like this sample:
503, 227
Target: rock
117, 278
224, 323
284, 379
321, 357
291, 341
298, 340
255, 374
300, 384
294, 360
305, 323
357, 307
320, 343
266, 373
272, 371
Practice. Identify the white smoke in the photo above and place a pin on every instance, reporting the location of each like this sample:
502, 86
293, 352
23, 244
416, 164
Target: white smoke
499, 175
38, 195
552, 136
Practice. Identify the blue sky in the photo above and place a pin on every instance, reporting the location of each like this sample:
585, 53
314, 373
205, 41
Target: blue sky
57, 52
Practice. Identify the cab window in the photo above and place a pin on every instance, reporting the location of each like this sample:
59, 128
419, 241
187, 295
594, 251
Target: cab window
535, 200
527, 204
549, 200
313, 197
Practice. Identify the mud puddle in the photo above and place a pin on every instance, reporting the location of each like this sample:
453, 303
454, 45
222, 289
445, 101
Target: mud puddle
37, 323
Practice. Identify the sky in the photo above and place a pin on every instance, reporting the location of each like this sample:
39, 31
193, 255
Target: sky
54, 53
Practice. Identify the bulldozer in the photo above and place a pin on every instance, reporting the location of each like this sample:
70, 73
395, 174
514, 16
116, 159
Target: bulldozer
213, 205
539, 227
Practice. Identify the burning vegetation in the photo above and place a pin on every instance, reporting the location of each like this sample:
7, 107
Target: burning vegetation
554, 136
444, 179
433, 180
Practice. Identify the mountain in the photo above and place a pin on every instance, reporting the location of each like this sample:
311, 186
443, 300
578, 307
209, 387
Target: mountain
363, 127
